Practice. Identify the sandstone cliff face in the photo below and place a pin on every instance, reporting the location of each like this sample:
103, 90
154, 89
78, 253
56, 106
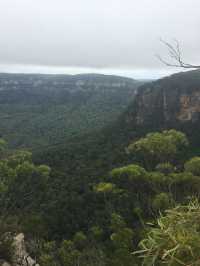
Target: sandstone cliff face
167, 102
189, 107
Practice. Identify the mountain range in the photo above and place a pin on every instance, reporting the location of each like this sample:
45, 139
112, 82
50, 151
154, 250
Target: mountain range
41, 110
75, 121
88, 197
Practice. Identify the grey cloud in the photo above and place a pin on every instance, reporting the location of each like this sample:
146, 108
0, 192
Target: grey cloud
96, 34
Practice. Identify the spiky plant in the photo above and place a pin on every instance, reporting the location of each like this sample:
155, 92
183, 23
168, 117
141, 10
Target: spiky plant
175, 240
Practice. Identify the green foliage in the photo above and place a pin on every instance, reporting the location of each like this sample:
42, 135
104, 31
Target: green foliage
3, 145
165, 168
52, 109
122, 240
183, 185
103, 217
69, 255
80, 212
6, 249
96, 232
34, 225
47, 260
93, 257
175, 240
117, 222
23, 186
131, 173
66, 253
159, 147
136, 188
19, 157
162, 202
80, 240
104, 187
193, 166
48, 254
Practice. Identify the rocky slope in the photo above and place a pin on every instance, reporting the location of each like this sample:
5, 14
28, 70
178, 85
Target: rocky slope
20, 255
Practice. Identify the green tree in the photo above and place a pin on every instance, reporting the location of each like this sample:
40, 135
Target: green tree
135, 185
68, 254
22, 183
193, 166
80, 240
165, 168
162, 201
183, 185
122, 240
104, 187
132, 174
48, 254
3, 145
159, 147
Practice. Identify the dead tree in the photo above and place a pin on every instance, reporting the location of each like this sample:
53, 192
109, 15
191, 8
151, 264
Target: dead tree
175, 55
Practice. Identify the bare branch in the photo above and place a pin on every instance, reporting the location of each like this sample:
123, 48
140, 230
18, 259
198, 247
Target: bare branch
176, 56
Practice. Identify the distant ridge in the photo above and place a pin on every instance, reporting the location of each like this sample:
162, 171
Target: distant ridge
41, 109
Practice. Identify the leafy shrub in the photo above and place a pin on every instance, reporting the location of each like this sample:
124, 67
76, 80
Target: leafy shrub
193, 166
176, 238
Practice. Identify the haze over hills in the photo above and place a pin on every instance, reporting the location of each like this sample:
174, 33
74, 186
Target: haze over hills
39, 110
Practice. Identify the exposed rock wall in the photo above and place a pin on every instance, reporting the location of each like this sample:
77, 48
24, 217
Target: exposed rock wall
21, 257
20, 254
189, 107
169, 101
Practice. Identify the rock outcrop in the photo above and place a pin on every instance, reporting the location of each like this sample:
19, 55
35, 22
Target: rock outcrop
167, 102
20, 255
4, 263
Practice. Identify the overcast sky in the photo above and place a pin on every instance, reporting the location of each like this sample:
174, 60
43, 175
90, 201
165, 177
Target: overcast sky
105, 36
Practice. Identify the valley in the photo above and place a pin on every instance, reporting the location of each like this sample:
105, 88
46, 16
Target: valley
91, 169
44, 110
99, 133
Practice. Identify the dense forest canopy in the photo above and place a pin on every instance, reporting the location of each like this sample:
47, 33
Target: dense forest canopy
44, 110
99, 133
109, 221
126, 194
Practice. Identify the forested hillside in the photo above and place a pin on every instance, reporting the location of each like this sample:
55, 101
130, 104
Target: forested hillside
99, 169
118, 219
171, 102
42, 110
125, 195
